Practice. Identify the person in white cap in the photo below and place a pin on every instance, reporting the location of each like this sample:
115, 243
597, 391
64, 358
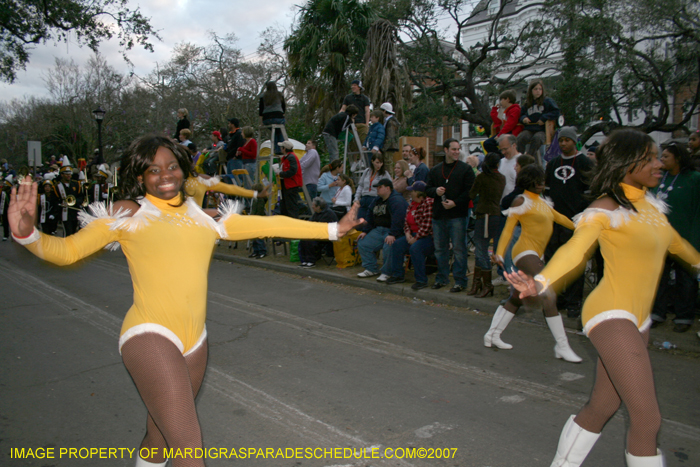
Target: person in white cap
391, 134
98, 190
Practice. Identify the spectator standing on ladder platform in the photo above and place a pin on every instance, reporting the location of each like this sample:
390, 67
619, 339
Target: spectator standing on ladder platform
271, 110
233, 143
361, 121
391, 134
336, 125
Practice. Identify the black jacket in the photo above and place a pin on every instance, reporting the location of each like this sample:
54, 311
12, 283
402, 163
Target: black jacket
457, 178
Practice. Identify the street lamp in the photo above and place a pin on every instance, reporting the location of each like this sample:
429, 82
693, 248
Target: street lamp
99, 115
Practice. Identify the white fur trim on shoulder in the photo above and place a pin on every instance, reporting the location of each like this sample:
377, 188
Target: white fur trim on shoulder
196, 214
33, 237
610, 314
102, 210
548, 201
333, 231
660, 206
147, 212
227, 209
209, 181
617, 218
522, 209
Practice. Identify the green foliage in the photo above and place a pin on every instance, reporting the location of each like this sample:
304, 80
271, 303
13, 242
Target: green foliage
624, 61
325, 52
27, 22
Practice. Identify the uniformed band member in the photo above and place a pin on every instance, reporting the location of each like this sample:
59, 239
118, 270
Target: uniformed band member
65, 188
49, 209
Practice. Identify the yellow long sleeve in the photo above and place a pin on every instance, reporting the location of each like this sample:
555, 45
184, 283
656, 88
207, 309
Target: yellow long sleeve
683, 250
246, 227
85, 242
562, 220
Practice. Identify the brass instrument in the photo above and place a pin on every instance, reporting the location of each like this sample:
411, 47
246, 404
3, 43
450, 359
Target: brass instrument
70, 202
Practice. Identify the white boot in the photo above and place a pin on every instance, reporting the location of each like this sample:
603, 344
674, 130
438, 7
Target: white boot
562, 349
493, 336
647, 461
574, 445
142, 463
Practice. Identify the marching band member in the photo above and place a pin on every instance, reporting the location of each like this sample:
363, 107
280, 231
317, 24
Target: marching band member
634, 237
168, 241
70, 195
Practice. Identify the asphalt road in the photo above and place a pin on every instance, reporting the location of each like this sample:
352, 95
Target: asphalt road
301, 363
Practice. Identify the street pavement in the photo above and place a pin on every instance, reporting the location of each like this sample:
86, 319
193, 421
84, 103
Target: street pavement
307, 359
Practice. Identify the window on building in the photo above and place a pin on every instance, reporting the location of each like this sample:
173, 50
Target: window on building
439, 139
457, 131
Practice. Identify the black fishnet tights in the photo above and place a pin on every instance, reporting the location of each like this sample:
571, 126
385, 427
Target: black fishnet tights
168, 383
532, 265
624, 375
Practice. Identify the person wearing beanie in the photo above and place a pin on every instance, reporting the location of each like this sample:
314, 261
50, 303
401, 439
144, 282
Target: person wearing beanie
292, 179
566, 182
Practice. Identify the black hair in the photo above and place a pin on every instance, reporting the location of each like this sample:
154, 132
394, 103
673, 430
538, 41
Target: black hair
529, 177
623, 151
524, 160
378, 156
446, 144
681, 154
491, 161
352, 110
139, 156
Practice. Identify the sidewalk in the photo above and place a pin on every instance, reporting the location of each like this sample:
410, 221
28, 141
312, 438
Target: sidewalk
685, 342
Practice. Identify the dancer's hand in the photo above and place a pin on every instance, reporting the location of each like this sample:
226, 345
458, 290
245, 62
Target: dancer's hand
349, 220
523, 283
21, 214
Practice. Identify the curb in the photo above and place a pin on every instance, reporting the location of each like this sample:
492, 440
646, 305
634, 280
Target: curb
685, 343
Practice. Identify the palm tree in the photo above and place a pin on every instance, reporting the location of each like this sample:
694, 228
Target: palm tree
325, 52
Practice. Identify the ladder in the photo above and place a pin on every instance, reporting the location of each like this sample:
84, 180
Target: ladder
357, 173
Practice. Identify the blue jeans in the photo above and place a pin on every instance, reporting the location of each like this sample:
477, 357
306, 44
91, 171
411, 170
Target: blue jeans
444, 232
508, 260
278, 134
331, 146
250, 166
419, 251
312, 189
233, 164
481, 252
370, 244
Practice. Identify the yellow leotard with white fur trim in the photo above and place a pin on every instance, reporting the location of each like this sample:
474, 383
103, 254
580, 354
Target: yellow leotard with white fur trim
197, 187
536, 216
633, 245
168, 250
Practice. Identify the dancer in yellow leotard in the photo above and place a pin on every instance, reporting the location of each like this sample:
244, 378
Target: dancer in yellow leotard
536, 217
197, 186
634, 238
168, 242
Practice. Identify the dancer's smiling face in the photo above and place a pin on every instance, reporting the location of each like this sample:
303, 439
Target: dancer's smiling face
646, 173
164, 177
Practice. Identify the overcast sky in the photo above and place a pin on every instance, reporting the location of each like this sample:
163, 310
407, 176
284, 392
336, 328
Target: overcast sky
177, 21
